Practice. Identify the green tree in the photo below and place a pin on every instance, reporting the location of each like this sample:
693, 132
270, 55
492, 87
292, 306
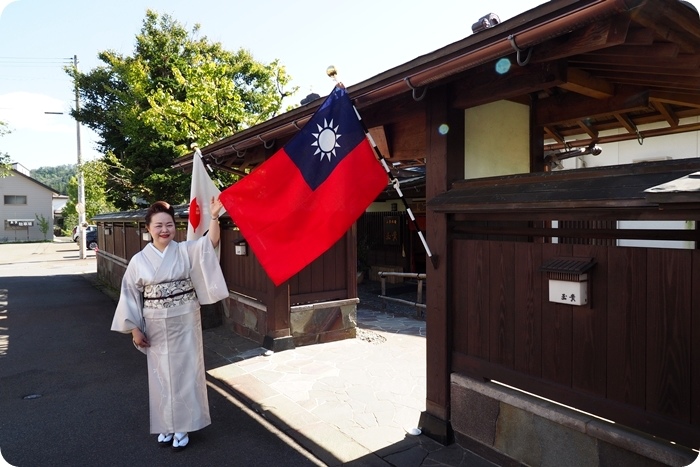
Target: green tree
5, 161
176, 89
55, 177
43, 224
95, 175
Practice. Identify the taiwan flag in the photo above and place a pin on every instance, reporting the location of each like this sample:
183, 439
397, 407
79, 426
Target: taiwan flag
302, 200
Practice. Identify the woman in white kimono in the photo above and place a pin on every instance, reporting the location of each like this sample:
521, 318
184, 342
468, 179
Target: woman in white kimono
159, 304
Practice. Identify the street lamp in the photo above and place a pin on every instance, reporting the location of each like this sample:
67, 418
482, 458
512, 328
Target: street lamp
80, 206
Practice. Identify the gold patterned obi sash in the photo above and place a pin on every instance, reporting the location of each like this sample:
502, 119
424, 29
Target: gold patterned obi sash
168, 294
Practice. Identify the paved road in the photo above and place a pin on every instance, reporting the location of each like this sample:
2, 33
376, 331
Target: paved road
73, 393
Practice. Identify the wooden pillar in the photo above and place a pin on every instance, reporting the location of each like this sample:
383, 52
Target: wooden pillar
278, 331
536, 138
278, 334
351, 258
444, 165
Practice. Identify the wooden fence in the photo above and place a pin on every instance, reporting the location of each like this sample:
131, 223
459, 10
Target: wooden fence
632, 355
325, 279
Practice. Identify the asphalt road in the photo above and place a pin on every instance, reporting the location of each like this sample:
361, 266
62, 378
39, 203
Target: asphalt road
73, 393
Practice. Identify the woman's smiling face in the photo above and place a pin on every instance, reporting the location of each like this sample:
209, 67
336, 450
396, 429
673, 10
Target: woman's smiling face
162, 230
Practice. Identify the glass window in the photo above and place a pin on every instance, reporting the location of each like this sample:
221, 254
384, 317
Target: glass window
15, 199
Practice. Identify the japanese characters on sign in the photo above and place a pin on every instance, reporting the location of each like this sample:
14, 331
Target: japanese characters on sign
20, 222
391, 230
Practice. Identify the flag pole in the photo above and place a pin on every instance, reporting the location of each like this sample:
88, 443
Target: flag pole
210, 171
333, 74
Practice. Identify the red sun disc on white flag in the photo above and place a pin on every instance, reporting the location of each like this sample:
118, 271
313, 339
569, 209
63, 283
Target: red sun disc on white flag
195, 214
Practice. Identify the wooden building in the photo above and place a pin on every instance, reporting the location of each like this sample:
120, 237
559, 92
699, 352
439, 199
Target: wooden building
512, 357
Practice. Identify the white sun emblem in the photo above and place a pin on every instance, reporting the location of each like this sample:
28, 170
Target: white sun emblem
326, 139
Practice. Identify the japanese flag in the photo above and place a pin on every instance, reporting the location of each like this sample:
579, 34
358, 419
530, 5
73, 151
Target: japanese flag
201, 192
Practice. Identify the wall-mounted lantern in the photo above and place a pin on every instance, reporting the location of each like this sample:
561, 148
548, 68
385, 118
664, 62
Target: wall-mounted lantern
241, 248
568, 279
146, 237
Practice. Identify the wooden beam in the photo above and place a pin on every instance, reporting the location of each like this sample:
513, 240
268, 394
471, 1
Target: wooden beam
484, 84
584, 83
656, 51
393, 110
572, 107
627, 137
640, 36
640, 79
230, 170
673, 98
586, 127
667, 112
553, 134
659, 22
596, 36
681, 61
681, 16
641, 69
536, 138
627, 123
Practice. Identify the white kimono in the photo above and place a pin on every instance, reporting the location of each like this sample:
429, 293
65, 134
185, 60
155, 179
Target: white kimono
157, 297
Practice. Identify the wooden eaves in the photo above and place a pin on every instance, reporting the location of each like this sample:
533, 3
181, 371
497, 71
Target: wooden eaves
600, 70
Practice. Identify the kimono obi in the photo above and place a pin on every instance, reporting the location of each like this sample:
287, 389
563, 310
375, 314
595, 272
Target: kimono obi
169, 294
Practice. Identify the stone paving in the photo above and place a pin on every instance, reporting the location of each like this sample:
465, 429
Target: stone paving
351, 402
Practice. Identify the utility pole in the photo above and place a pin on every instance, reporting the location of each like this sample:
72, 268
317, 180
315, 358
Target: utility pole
80, 207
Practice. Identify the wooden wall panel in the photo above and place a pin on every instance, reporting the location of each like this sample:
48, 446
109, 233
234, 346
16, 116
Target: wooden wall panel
461, 294
478, 305
556, 328
627, 322
407, 139
501, 316
120, 244
632, 355
108, 244
589, 326
668, 333
528, 308
132, 242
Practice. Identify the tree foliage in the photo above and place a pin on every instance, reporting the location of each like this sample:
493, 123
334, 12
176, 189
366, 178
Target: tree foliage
55, 177
95, 175
5, 161
176, 89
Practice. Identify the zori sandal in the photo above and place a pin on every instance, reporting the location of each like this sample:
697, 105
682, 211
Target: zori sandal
180, 441
164, 439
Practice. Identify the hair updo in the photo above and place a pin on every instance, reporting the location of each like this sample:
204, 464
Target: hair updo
159, 206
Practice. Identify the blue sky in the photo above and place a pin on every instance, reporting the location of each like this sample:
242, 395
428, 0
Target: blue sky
361, 38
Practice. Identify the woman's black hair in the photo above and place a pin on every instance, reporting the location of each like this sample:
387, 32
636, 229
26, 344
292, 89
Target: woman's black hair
159, 206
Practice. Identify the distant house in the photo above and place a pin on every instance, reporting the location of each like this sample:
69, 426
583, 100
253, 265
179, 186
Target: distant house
23, 199
59, 202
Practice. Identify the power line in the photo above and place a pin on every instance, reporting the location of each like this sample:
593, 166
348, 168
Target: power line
40, 59
32, 68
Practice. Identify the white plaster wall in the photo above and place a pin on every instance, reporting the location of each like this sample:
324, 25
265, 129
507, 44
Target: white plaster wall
497, 140
679, 146
39, 202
